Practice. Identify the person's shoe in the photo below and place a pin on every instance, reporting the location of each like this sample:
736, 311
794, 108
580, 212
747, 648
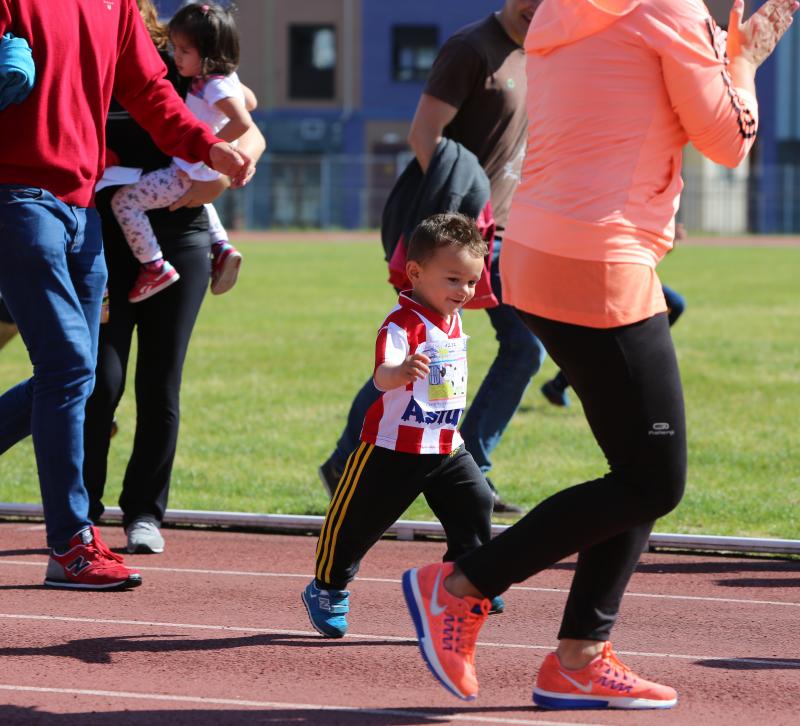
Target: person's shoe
7, 332
557, 396
144, 537
605, 683
88, 564
225, 264
152, 279
329, 475
327, 609
500, 505
447, 627
114, 428
496, 605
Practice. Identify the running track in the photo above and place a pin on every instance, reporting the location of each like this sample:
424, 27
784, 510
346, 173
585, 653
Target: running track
217, 635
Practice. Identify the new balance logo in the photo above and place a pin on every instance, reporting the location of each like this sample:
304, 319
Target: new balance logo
78, 565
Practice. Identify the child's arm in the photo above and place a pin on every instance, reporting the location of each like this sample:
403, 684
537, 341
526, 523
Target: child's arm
392, 375
250, 100
239, 119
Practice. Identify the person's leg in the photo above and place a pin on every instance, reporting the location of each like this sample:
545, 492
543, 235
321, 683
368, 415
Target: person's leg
519, 356
627, 379
459, 496
331, 471
131, 203
112, 364
52, 279
377, 486
164, 328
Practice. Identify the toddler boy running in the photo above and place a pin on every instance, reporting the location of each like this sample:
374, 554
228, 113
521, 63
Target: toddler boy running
410, 443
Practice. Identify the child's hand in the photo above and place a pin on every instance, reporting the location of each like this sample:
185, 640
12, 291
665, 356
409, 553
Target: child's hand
415, 367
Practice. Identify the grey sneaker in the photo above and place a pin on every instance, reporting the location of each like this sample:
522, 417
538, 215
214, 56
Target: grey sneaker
144, 537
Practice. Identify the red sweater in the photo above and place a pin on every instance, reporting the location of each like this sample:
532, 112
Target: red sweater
85, 51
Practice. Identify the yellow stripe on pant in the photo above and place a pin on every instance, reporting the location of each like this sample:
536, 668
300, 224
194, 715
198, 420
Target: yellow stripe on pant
338, 510
337, 514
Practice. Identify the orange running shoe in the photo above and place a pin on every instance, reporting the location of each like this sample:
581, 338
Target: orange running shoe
606, 682
447, 627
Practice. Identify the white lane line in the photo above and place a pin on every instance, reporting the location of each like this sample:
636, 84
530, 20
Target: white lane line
368, 637
388, 712
522, 588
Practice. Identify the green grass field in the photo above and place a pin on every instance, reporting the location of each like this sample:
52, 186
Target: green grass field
273, 367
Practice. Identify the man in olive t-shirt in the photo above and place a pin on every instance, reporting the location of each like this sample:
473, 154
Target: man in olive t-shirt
475, 95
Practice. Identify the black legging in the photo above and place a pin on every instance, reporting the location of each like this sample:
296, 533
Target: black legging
164, 326
628, 382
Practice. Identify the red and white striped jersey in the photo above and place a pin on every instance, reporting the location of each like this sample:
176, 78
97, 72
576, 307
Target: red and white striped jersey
421, 417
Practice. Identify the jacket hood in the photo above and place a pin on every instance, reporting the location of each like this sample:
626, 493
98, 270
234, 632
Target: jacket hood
561, 22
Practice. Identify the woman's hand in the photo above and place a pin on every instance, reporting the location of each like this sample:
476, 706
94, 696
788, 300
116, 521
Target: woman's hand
753, 41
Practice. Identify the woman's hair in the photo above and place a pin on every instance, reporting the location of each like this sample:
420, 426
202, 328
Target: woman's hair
158, 30
212, 30
444, 230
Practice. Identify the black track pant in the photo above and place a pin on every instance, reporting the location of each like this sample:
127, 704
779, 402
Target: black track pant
628, 382
378, 485
164, 326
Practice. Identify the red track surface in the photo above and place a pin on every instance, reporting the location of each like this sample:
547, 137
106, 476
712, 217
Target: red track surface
217, 635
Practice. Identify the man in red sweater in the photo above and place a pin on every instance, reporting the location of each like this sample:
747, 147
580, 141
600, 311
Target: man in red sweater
52, 269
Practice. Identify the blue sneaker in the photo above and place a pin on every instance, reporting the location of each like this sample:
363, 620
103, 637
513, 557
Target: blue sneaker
497, 605
327, 609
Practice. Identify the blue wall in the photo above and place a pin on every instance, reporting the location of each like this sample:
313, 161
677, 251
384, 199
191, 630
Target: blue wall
383, 97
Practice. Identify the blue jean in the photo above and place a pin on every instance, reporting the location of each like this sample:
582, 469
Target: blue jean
519, 357
52, 277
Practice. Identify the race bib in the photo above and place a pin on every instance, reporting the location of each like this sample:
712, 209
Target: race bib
447, 380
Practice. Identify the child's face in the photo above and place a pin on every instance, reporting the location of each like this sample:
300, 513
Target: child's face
187, 57
445, 282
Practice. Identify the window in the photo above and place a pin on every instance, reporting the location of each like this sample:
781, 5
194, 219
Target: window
414, 49
312, 62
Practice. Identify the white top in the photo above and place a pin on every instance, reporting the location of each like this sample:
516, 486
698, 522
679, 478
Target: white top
200, 100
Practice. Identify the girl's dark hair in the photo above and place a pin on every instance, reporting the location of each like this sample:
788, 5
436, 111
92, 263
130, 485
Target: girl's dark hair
212, 30
442, 230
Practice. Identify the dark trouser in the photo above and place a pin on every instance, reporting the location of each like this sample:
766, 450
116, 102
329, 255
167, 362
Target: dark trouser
164, 326
675, 307
627, 379
378, 485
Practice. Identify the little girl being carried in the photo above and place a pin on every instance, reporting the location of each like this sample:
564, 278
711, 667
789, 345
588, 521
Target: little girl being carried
206, 45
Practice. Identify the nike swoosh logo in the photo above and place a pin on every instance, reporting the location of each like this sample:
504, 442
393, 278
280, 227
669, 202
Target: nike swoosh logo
580, 686
436, 608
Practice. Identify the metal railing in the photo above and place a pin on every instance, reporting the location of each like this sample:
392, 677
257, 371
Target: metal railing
339, 191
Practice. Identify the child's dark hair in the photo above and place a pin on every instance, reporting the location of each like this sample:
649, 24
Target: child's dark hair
212, 30
442, 230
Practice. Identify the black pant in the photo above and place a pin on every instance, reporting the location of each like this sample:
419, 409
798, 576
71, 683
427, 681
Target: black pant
627, 379
164, 326
378, 485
